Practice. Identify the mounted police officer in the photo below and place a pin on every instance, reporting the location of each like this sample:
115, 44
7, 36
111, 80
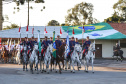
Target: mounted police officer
25, 42
58, 44
71, 44
45, 45
32, 43
86, 45
51, 40
76, 41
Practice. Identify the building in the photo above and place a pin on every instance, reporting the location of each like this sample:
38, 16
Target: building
0, 14
104, 35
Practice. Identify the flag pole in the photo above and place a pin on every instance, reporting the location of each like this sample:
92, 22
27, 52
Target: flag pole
33, 30
82, 35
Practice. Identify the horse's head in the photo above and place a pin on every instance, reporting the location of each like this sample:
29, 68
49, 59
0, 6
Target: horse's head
92, 47
36, 47
77, 47
50, 47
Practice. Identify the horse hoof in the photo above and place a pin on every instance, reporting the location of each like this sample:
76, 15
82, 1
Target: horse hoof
87, 71
51, 70
60, 72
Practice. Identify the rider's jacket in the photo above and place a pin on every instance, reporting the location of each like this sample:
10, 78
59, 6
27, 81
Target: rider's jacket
31, 44
72, 44
86, 44
58, 44
51, 42
117, 47
45, 43
76, 42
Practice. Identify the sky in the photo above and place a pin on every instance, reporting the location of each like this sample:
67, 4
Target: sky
55, 10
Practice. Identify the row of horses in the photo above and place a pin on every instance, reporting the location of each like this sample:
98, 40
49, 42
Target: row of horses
34, 58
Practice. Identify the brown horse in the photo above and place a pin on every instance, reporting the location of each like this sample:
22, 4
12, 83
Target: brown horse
4, 54
59, 57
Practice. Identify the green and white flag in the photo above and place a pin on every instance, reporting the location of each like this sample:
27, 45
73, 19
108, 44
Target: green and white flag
39, 42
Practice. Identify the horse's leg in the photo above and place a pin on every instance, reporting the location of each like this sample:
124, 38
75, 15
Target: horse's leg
43, 65
59, 67
23, 66
46, 65
26, 66
92, 64
87, 60
37, 65
56, 66
63, 64
73, 66
85, 64
40, 65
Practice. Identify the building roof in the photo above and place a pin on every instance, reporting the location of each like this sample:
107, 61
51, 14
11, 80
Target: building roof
121, 27
13, 33
94, 31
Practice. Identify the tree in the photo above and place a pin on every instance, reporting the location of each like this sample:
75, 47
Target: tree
11, 27
53, 23
80, 14
120, 7
114, 18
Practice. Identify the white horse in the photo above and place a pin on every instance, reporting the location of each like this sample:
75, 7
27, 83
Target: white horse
47, 57
89, 56
34, 58
18, 60
75, 57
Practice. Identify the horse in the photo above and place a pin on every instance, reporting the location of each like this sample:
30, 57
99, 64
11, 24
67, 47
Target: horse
18, 56
34, 58
4, 53
118, 53
47, 57
25, 57
59, 58
89, 56
75, 57
13, 54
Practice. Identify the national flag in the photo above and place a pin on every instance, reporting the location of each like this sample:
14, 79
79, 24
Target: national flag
54, 45
73, 31
60, 31
19, 29
39, 42
45, 30
67, 42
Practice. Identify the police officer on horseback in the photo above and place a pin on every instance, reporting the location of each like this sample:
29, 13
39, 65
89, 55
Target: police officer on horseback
58, 44
45, 45
71, 44
86, 45
32, 43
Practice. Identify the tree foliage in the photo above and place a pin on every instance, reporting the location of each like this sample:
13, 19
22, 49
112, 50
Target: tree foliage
80, 14
115, 18
120, 7
53, 23
11, 27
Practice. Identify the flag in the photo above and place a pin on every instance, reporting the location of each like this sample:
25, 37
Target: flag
32, 30
54, 45
45, 30
8, 42
67, 42
19, 29
39, 42
60, 31
10, 45
73, 31
27, 29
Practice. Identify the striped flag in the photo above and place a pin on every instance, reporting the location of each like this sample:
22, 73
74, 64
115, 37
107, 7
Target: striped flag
67, 42
54, 45
19, 29
39, 42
